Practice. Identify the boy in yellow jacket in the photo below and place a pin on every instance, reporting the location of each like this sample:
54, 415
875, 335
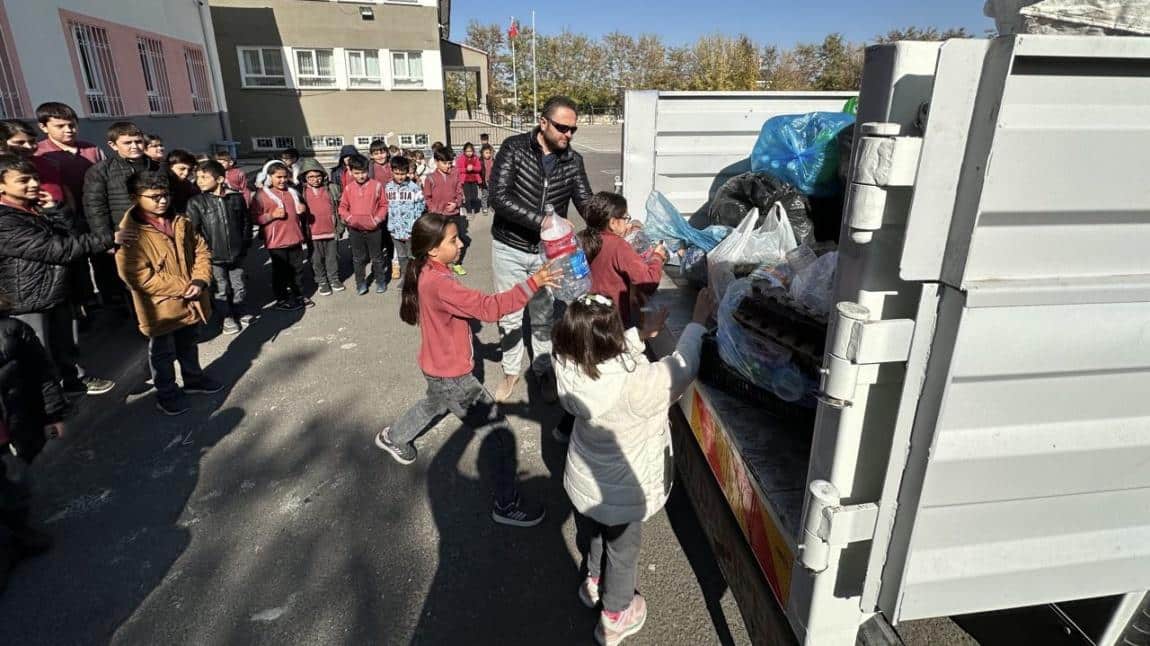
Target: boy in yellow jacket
168, 270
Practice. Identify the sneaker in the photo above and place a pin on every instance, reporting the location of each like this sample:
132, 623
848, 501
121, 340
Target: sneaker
324, 290
548, 388
231, 327
506, 388
402, 453
173, 407
361, 289
304, 301
517, 514
246, 319
338, 287
459, 270
614, 626
589, 592
381, 288
89, 386
202, 386
289, 305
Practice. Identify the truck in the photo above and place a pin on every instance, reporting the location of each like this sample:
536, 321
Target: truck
982, 437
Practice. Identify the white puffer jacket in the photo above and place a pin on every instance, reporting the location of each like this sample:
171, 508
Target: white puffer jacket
619, 464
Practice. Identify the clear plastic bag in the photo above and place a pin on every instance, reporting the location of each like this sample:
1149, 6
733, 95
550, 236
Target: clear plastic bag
664, 222
813, 285
802, 149
749, 247
765, 364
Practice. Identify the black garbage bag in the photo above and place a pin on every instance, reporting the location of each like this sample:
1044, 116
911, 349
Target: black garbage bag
741, 193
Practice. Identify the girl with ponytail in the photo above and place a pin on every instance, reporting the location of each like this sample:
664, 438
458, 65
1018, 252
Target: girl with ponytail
443, 309
616, 268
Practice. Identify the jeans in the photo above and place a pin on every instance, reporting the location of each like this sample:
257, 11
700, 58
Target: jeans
471, 201
368, 245
621, 544
325, 262
511, 267
485, 197
163, 353
54, 329
230, 290
402, 254
287, 272
469, 401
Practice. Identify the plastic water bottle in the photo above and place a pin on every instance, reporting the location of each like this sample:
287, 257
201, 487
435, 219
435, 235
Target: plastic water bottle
561, 245
640, 242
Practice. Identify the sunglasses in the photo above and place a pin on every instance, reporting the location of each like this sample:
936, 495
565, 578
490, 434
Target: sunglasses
561, 127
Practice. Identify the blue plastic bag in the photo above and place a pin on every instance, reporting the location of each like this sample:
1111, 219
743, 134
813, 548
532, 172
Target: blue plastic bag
801, 149
664, 222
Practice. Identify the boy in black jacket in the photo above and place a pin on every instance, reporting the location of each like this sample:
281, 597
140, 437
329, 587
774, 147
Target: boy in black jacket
32, 409
221, 216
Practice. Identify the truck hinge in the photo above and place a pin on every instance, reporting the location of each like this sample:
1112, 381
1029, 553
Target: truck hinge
885, 165
830, 525
857, 346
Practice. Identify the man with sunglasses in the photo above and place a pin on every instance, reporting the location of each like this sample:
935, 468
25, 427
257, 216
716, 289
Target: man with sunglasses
532, 170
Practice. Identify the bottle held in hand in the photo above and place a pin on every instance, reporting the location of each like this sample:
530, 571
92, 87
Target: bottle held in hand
562, 248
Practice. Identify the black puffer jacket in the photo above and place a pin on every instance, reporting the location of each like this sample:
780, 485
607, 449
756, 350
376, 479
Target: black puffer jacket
106, 197
34, 254
224, 223
30, 396
519, 189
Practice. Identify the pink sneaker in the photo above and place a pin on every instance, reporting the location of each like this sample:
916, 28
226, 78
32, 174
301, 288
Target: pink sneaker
612, 630
589, 592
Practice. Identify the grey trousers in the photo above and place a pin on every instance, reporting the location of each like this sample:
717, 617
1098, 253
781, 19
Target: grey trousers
621, 544
325, 262
54, 328
230, 289
510, 267
469, 401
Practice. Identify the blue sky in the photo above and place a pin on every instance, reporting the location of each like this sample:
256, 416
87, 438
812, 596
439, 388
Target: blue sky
766, 21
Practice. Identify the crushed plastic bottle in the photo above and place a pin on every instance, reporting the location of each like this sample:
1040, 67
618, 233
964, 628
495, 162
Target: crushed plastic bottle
561, 245
640, 242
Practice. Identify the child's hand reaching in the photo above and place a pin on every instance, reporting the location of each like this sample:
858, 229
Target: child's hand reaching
652, 322
547, 276
704, 306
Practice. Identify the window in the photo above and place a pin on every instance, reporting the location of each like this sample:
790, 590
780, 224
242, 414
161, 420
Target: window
363, 68
94, 54
411, 141
262, 67
364, 141
407, 69
11, 105
198, 79
278, 142
323, 142
315, 68
155, 75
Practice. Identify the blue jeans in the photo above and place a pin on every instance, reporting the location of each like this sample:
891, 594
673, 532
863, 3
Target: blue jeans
469, 401
163, 353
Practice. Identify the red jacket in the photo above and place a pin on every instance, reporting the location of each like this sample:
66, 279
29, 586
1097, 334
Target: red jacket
381, 174
70, 167
237, 179
363, 206
618, 267
278, 233
440, 189
488, 164
321, 216
470, 168
446, 308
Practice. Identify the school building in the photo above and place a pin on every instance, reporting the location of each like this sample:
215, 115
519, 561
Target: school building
319, 74
151, 62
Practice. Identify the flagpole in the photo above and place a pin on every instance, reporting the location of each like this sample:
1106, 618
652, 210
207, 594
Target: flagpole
534, 73
514, 74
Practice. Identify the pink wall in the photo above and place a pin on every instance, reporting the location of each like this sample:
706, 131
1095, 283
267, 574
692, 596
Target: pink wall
126, 58
14, 61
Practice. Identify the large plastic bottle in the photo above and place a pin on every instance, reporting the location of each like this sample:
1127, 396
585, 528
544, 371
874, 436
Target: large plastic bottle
561, 245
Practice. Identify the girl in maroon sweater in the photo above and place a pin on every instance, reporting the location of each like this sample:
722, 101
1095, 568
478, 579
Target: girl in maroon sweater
616, 268
443, 309
470, 168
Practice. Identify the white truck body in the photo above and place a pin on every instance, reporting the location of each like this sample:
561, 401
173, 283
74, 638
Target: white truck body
984, 437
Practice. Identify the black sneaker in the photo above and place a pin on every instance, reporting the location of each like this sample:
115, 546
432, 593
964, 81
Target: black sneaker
173, 407
381, 288
89, 386
324, 290
289, 305
402, 453
337, 287
231, 327
202, 386
361, 289
518, 514
307, 302
246, 319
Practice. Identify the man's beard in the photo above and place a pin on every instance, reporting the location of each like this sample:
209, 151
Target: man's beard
556, 144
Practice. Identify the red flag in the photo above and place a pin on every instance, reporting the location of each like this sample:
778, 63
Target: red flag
513, 31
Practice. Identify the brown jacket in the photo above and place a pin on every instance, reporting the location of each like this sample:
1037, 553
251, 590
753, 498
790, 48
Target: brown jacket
158, 270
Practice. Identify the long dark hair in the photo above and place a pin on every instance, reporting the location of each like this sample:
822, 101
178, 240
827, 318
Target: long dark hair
589, 333
426, 234
602, 206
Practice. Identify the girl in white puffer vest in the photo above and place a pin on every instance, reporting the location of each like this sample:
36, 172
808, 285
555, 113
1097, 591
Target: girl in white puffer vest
619, 463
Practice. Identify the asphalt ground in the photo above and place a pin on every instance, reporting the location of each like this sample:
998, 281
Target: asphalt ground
267, 516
